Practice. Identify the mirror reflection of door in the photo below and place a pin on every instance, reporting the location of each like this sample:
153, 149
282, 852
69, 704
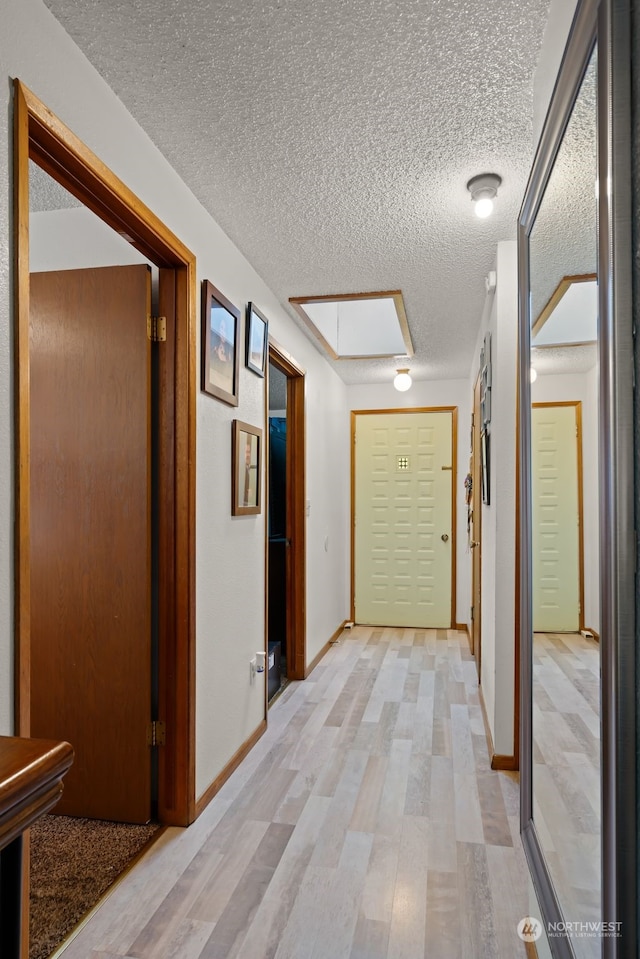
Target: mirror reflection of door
556, 500
566, 737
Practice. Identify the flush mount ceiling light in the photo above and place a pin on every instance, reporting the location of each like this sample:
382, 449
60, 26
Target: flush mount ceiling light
402, 381
483, 190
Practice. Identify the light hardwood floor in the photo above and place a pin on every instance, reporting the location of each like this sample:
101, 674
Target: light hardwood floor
566, 773
365, 824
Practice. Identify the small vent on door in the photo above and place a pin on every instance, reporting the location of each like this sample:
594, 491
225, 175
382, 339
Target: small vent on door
403, 464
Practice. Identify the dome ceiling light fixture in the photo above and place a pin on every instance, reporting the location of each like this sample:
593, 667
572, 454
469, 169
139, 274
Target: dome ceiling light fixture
483, 190
402, 381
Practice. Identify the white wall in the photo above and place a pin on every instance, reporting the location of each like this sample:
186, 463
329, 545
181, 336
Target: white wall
75, 240
229, 550
434, 393
583, 387
498, 518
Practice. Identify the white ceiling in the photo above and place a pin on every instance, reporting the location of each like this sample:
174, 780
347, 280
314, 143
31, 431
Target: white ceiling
333, 141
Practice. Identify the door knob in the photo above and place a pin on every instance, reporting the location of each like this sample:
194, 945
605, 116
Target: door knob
473, 545
444, 537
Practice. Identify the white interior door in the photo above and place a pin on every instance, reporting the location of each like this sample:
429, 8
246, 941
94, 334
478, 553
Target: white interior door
403, 518
556, 519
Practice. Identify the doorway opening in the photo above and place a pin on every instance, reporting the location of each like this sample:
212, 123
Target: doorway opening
286, 565
40, 137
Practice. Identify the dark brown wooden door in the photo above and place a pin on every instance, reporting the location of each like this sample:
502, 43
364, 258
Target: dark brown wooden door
90, 533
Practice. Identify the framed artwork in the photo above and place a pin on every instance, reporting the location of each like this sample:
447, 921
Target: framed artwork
485, 381
486, 474
220, 350
257, 339
246, 469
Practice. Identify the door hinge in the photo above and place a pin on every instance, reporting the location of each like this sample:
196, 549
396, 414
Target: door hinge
156, 733
472, 614
157, 329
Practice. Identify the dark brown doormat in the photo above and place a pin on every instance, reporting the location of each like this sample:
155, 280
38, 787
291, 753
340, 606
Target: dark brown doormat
73, 863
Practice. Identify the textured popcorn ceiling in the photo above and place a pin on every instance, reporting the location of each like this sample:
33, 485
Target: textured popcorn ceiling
333, 140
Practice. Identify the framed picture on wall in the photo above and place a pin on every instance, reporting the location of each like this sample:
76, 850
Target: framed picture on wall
485, 472
220, 350
257, 339
246, 468
485, 381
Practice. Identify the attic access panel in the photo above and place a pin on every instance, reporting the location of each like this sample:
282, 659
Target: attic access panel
570, 318
355, 326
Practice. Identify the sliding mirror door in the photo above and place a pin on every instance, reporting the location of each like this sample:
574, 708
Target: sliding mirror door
576, 587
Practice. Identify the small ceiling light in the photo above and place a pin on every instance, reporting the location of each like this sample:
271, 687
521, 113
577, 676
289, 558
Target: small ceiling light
483, 190
402, 381
533, 375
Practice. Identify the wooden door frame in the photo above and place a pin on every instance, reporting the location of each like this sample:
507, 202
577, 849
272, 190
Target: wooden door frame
296, 615
454, 473
577, 404
40, 136
476, 499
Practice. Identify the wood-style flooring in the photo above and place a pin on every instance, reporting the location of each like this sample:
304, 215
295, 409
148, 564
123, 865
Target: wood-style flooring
365, 824
566, 773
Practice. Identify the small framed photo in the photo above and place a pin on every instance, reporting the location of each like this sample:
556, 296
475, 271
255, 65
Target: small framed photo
221, 322
246, 460
485, 466
257, 339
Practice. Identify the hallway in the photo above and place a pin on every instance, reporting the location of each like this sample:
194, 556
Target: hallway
365, 824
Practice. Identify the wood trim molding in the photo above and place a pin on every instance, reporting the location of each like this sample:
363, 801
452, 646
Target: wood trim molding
325, 649
296, 514
230, 768
286, 362
498, 761
22, 557
41, 136
594, 633
454, 512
